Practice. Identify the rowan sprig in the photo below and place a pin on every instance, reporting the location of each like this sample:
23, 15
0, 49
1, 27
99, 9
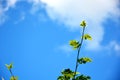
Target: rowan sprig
68, 74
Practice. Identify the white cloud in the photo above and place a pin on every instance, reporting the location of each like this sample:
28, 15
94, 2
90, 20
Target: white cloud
117, 47
3, 10
71, 12
10, 3
2, 15
37, 5
114, 45
65, 48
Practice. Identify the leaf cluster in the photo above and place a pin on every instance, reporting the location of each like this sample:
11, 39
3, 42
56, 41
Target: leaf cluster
83, 77
75, 44
67, 74
10, 66
84, 60
83, 23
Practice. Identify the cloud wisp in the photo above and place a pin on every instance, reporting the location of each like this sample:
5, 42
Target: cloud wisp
113, 46
5, 8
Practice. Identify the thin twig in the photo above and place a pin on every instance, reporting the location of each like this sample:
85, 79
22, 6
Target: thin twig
12, 74
81, 41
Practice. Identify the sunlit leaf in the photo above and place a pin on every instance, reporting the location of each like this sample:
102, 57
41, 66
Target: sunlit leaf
75, 44
13, 78
83, 77
84, 60
9, 66
60, 78
83, 23
77, 72
68, 73
87, 37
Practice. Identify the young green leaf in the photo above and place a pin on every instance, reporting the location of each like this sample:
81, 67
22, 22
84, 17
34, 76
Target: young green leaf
13, 78
84, 60
68, 73
83, 23
87, 37
60, 78
83, 77
77, 73
75, 44
9, 66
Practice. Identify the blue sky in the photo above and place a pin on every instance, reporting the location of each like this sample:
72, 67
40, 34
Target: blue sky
35, 35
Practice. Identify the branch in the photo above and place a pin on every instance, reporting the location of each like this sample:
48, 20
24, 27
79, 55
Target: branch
81, 41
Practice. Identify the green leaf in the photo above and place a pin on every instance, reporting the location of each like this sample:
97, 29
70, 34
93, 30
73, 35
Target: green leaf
83, 77
68, 73
60, 78
84, 60
83, 23
87, 37
9, 66
75, 44
14, 78
77, 73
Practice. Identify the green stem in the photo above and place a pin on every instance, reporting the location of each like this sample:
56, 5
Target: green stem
81, 41
12, 74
